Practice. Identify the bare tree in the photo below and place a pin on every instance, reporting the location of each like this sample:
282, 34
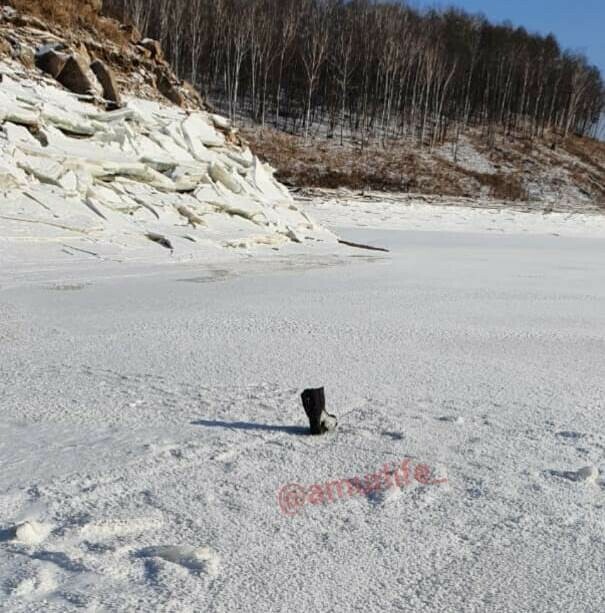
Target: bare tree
342, 61
288, 27
314, 45
196, 38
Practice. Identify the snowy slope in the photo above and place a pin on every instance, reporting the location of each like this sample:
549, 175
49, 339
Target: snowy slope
115, 182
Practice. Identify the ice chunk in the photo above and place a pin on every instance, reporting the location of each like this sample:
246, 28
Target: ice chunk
199, 134
267, 185
69, 122
18, 134
30, 532
44, 169
69, 181
221, 122
244, 158
176, 148
187, 178
244, 207
220, 174
10, 177
16, 114
271, 240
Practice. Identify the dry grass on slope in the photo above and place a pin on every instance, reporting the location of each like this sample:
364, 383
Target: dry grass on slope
400, 167
73, 15
516, 168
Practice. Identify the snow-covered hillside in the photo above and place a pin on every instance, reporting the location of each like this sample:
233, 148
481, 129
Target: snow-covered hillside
131, 181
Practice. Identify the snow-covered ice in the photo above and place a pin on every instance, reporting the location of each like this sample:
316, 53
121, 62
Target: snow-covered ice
150, 415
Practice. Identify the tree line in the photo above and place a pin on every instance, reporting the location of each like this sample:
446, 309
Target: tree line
372, 69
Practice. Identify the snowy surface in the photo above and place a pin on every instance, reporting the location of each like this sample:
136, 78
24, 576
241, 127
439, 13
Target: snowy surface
427, 213
150, 415
465, 154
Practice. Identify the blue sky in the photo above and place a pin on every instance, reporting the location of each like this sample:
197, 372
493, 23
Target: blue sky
578, 24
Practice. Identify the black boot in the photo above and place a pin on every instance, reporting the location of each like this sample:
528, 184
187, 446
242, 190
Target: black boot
314, 402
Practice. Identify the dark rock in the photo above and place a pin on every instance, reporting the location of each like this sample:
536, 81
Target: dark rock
154, 47
107, 80
81, 52
168, 88
146, 53
8, 13
74, 76
51, 62
96, 5
193, 95
5, 47
132, 32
